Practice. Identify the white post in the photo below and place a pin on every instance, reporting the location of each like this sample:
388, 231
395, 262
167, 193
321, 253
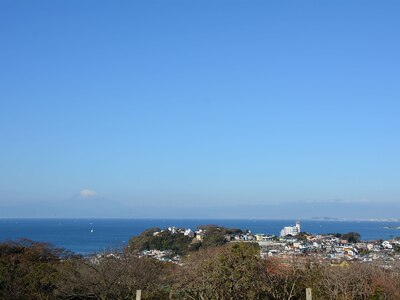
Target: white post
138, 294
308, 294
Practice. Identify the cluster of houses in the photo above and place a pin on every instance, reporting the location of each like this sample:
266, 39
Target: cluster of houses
327, 247
166, 255
198, 234
331, 248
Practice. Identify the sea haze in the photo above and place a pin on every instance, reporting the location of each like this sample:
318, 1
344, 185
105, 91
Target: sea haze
86, 236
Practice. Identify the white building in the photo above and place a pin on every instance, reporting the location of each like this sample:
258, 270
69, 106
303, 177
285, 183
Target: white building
387, 245
172, 229
292, 230
189, 232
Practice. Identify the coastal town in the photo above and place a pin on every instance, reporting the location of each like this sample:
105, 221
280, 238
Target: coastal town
292, 242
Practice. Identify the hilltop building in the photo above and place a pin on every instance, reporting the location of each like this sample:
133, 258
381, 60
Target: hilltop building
292, 230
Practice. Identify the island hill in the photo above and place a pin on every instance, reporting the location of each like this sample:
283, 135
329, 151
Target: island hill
181, 241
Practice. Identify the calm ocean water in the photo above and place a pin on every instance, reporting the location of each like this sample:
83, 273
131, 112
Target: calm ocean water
86, 236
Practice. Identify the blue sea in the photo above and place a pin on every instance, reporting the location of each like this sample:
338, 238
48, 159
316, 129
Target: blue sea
88, 236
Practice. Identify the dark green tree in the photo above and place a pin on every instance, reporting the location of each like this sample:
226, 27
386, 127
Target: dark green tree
352, 237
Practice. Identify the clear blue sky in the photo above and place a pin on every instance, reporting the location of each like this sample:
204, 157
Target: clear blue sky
162, 108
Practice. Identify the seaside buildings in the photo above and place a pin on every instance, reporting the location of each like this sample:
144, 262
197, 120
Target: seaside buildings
291, 230
332, 248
